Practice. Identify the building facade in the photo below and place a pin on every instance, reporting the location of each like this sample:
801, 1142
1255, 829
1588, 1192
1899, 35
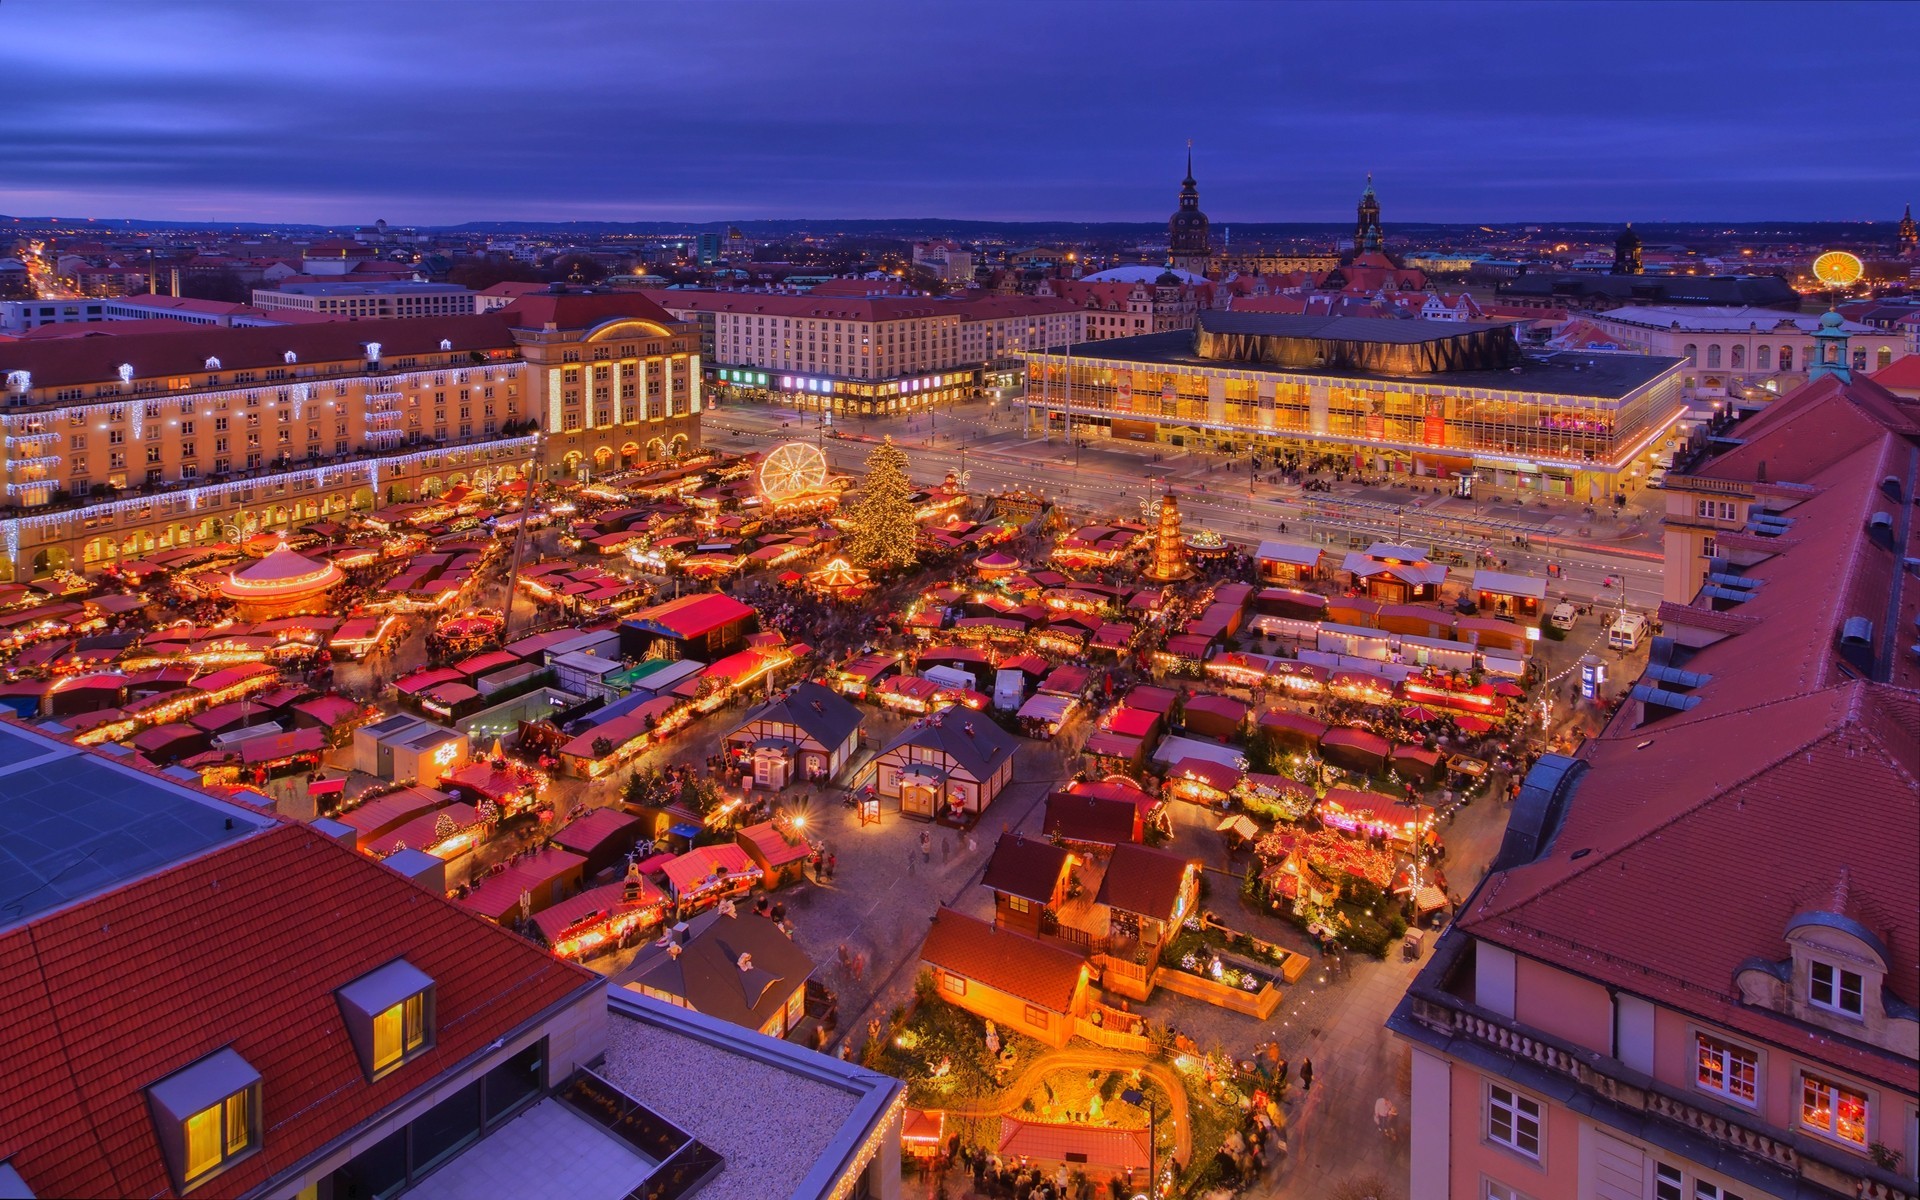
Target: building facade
1736, 355
1408, 397
1602, 1019
374, 298
117, 447
872, 354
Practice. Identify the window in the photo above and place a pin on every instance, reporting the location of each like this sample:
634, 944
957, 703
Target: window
1019, 904
1713, 355
1786, 358
389, 1016
1513, 1121
1763, 358
1727, 1069
1039, 1018
1710, 547
952, 984
1691, 351
1500, 1191
207, 1116
1836, 988
1667, 1182
1714, 510
1833, 1110
1702, 1190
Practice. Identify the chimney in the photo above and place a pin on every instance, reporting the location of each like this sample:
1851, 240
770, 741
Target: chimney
680, 933
1761, 474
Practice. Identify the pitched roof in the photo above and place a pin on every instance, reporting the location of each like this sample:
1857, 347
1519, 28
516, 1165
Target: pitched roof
73, 1105
1143, 880
83, 360
707, 972
1027, 867
1101, 820
825, 715
973, 741
1023, 967
691, 616
575, 310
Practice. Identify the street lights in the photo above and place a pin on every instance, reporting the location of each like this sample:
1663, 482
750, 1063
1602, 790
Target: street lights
1139, 1099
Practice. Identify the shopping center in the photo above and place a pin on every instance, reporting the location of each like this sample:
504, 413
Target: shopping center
1441, 399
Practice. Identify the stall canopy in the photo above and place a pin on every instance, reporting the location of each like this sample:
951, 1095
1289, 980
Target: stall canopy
1356, 749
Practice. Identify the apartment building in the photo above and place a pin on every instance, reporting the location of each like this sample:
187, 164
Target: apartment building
115, 447
360, 299
871, 354
1693, 972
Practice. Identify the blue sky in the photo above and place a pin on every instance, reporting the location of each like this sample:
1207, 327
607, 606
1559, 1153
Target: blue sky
435, 112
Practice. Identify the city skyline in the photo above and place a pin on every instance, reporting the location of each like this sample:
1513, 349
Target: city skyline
218, 112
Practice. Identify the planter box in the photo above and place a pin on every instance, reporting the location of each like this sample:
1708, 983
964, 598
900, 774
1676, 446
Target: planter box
1259, 1004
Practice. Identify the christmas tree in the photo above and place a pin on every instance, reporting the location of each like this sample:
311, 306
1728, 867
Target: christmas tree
883, 524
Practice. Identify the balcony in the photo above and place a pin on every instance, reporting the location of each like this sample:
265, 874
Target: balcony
1611, 1093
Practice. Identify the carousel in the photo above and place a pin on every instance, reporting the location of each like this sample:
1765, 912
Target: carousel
839, 579
282, 584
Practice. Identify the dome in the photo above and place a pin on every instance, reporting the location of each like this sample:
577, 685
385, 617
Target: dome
1832, 320
1143, 273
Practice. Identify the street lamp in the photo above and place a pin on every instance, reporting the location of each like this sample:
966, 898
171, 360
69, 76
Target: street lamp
1139, 1099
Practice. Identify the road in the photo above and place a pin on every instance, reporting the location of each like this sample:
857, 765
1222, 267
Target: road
1112, 479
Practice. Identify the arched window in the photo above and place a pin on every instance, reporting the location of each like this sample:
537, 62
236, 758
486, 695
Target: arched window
1884, 358
1713, 355
1786, 358
1739, 360
1692, 352
1763, 358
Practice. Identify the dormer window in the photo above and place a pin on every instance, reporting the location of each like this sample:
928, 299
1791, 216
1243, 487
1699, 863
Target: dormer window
1836, 989
389, 1016
207, 1116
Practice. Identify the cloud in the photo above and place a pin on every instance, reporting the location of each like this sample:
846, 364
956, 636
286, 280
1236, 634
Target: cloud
437, 112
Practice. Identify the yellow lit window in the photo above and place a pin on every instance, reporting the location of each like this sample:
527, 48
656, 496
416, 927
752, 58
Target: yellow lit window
218, 1133
399, 1031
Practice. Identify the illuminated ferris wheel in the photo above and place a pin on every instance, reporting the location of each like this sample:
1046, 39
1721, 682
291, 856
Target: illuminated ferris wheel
795, 469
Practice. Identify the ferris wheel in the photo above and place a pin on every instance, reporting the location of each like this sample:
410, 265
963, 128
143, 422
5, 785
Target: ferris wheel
794, 469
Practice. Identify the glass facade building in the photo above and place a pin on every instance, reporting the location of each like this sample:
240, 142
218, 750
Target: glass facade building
1437, 399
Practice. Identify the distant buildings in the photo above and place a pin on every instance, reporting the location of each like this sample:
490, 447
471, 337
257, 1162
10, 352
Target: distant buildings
1730, 351
867, 354
371, 298
1603, 1018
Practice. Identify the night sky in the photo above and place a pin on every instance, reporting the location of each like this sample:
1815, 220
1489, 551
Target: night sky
429, 113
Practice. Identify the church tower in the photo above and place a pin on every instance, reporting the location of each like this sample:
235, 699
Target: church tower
1907, 242
1189, 236
1367, 236
1626, 252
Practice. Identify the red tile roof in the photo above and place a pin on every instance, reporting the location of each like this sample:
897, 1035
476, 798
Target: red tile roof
1781, 722
241, 948
84, 360
696, 615
1143, 880
1023, 967
582, 310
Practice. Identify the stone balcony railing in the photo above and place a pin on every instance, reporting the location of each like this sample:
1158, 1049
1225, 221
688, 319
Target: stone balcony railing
1792, 1154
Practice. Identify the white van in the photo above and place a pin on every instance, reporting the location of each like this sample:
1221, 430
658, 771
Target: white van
1563, 616
1627, 631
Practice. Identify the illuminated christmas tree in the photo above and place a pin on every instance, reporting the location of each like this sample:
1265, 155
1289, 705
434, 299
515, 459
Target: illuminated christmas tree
1169, 551
883, 525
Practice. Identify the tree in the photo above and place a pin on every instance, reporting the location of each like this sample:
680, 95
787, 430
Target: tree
883, 524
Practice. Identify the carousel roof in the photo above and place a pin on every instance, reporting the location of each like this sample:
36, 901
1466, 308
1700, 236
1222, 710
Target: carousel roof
281, 573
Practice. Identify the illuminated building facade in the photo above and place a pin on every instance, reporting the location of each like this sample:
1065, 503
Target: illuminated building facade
1406, 397
113, 448
871, 354
1731, 351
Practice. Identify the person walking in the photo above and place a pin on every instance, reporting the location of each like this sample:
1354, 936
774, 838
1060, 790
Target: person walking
1306, 1075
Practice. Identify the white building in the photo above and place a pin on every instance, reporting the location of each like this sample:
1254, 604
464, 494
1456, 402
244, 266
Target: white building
385, 298
1740, 353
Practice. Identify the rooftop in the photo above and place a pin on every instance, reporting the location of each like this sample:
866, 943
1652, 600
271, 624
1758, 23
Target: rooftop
78, 824
715, 1081
1605, 376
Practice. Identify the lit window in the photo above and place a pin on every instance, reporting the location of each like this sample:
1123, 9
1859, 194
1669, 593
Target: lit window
1837, 989
1729, 1070
1019, 904
953, 984
206, 1116
1834, 1110
1513, 1121
389, 1016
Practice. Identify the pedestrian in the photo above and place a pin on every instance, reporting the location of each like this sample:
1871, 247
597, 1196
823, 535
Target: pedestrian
833, 860
1306, 1075
910, 860
926, 846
